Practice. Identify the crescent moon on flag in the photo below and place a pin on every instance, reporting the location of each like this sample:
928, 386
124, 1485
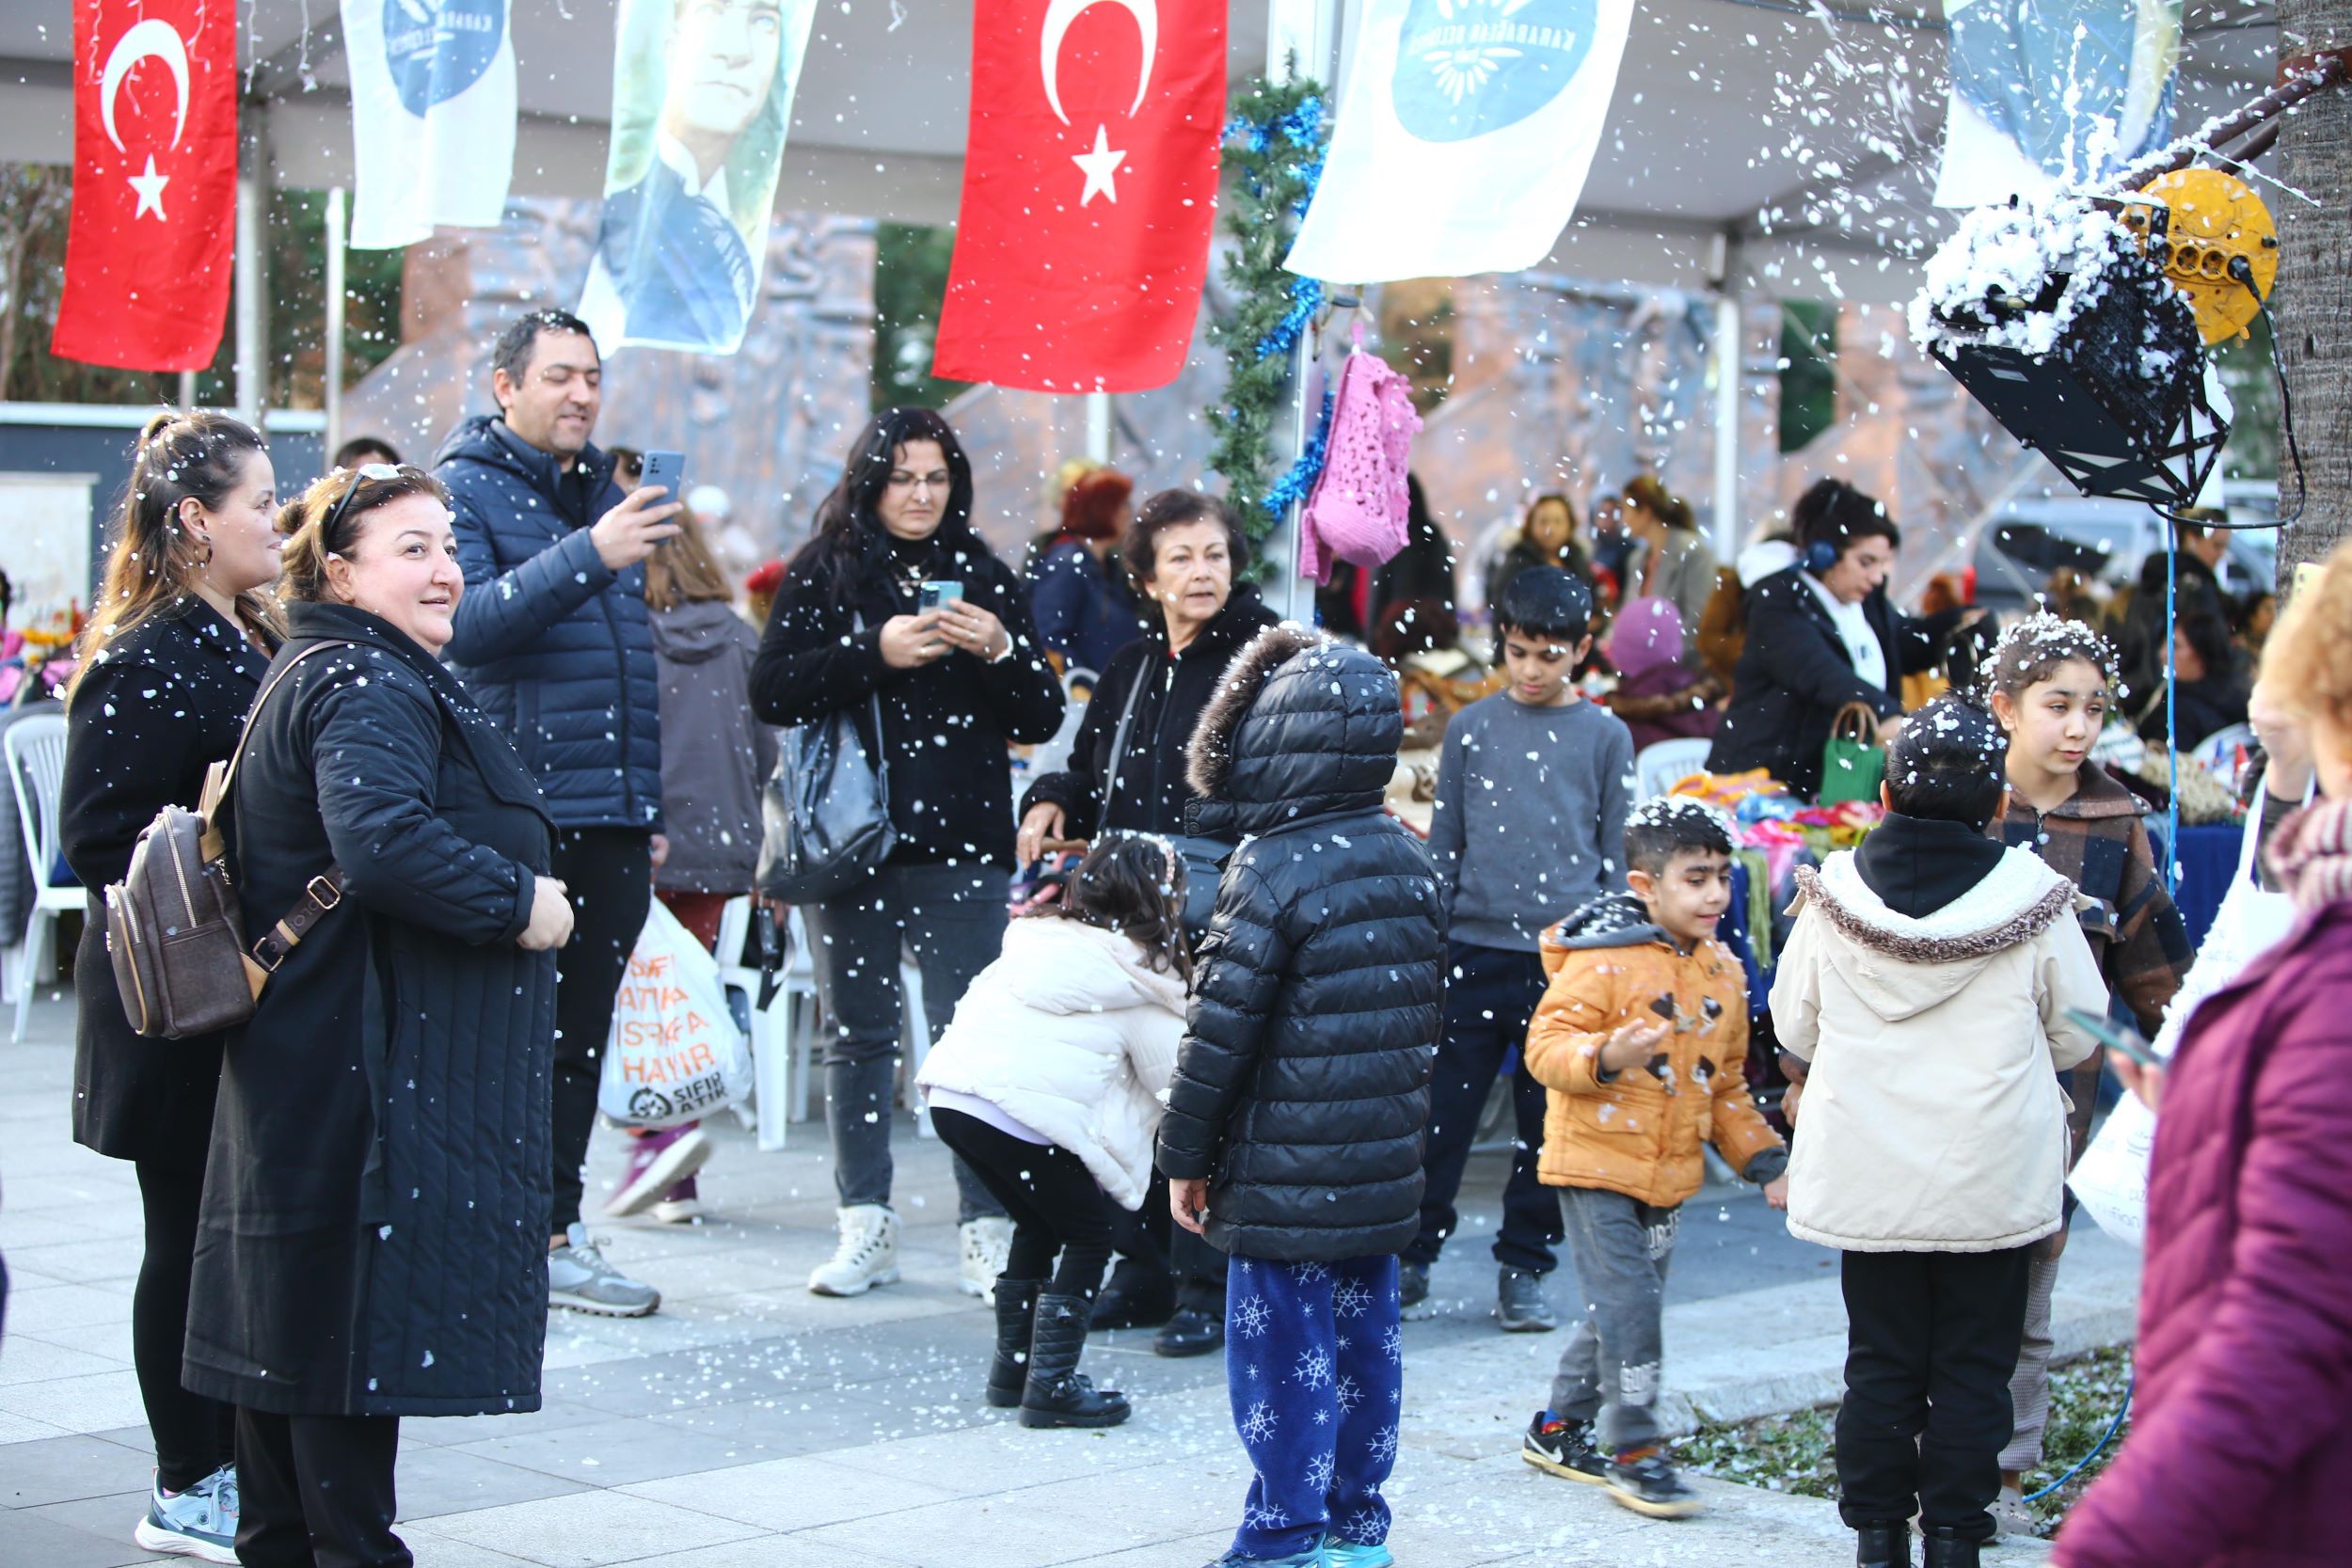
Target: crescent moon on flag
153, 39
1058, 16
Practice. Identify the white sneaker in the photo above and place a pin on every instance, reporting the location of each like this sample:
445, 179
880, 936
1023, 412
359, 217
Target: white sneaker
678, 1210
987, 1243
200, 1523
867, 1256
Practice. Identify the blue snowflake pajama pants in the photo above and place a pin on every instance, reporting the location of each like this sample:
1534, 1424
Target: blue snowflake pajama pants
1314, 1362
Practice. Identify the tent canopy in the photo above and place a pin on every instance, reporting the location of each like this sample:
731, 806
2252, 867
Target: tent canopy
1781, 147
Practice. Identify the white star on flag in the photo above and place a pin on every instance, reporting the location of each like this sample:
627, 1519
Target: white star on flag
151, 190
1099, 164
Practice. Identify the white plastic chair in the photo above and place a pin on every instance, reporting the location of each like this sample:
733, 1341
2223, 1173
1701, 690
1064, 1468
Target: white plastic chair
36, 760
1666, 764
797, 998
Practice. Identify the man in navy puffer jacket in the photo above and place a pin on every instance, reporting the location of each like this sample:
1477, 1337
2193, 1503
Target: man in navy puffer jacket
552, 641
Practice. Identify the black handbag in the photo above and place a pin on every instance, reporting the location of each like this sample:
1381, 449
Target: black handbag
1204, 858
826, 811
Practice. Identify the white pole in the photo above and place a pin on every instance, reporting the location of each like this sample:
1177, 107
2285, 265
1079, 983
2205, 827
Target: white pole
1099, 428
1729, 363
1301, 37
252, 277
187, 390
335, 306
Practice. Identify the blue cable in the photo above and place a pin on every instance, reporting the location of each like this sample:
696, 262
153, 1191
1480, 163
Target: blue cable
2171, 719
2097, 1449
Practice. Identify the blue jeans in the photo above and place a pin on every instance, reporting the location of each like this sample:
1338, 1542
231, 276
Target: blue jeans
1490, 995
1314, 1363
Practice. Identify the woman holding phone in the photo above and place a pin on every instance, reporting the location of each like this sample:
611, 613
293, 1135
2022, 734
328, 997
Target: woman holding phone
896, 611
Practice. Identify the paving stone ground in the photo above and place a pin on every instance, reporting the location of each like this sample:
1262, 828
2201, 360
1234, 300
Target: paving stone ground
753, 1425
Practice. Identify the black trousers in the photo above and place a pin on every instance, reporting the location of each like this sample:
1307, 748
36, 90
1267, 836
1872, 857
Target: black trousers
608, 873
193, 1435
1490, 995
1932, 1338
1151, 1242
1056, 1206
316, 1491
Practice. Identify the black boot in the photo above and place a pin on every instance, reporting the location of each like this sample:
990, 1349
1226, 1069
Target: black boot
1016, 1313
1137, 1296
1057, 1394
1881, 1546
1948, 1550
1193, 1331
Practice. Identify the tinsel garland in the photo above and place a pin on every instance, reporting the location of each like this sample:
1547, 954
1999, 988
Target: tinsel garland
1273, 156
1295, 486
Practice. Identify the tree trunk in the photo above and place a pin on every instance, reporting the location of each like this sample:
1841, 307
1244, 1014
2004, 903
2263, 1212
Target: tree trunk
2313, 301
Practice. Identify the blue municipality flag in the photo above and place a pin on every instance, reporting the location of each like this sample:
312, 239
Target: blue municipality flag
2054, 94
432, 116
1464, 136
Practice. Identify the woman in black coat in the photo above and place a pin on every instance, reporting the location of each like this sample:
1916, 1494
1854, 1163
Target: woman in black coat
1821, 635
167, 671
952, 688
373, 1241
1186, 549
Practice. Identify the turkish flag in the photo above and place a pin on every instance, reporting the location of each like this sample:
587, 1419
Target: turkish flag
149, 257
1089, 185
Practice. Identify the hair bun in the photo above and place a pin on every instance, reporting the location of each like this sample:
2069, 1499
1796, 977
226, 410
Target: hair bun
157, 425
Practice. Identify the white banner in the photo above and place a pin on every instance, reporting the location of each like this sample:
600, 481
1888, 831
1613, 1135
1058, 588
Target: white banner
1464, 137
2053, 94
432, 116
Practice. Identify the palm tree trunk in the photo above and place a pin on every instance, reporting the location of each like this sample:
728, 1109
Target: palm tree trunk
2314, 302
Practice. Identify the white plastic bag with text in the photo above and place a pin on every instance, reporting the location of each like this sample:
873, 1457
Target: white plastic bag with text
674, 1053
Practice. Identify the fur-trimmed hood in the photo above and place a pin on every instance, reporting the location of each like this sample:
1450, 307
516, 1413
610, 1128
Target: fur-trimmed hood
1938, 954
1300, 727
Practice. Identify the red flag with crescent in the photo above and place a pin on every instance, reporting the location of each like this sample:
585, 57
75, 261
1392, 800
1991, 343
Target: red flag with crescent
147, 259
1090, 187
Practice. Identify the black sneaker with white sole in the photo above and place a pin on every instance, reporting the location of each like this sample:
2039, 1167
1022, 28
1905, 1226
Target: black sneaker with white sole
1645, 1483
1564, 1448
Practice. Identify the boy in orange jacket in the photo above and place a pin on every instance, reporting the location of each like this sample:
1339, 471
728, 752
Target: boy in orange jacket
1641, 1041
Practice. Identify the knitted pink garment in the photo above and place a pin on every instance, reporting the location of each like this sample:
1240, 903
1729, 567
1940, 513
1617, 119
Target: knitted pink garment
1359, 509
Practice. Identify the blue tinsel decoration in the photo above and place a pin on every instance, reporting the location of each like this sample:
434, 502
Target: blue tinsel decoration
1293, 487
1307, 298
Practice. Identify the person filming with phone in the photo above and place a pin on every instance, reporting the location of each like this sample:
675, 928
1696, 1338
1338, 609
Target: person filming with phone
895, 613
552, 638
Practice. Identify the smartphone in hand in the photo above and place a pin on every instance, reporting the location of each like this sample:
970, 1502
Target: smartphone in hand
933, 594
667, 469
2115, 1036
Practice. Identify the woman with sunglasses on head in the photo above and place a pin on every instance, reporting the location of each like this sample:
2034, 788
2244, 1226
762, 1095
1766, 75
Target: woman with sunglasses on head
896, 614
169, 661
371, 1243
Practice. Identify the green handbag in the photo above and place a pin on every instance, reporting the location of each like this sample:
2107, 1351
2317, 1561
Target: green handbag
1853, 764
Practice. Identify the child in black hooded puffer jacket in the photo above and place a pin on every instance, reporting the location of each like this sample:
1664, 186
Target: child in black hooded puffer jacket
1292, 1138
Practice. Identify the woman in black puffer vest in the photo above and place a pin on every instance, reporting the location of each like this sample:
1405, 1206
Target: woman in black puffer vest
1292, 1138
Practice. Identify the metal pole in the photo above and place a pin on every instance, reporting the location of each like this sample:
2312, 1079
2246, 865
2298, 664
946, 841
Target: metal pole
1730, 362
252, 277
1099, 428
1301, 35
335, 301
187, 390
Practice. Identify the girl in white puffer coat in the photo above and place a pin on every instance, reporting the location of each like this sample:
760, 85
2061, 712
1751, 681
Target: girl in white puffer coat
1050, 1084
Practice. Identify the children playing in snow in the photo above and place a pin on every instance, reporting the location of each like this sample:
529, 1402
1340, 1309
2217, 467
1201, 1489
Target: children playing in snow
1642, 1039
1048, 1084
1531, 796
1293, 1135
1927, 984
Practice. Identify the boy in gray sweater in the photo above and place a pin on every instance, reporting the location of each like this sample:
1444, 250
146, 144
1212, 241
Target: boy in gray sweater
1532, 790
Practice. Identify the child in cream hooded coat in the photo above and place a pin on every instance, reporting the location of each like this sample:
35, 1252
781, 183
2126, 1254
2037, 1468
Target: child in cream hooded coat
1050, 1084
1927, 985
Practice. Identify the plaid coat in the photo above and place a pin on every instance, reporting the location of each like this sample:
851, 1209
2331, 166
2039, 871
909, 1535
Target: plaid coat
2097, 842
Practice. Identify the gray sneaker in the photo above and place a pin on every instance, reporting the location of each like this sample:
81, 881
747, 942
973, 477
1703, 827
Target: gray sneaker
579, 1277
1520, 1304
200, 1523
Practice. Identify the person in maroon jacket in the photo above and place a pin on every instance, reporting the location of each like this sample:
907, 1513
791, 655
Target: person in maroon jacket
2241, 1440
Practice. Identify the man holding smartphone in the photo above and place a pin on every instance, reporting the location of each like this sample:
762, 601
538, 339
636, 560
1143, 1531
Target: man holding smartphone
553, 641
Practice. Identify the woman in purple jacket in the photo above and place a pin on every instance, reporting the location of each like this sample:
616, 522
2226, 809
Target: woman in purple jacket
2240, 1451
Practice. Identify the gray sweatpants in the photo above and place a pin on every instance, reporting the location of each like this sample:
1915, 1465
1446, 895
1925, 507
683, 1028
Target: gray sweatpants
2029, 1390
1609, 1370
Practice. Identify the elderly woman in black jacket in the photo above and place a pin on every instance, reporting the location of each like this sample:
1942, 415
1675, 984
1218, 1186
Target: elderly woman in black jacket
167, 667
1184, 550
1822, 636
372, 1236
1292, 1138
950, 687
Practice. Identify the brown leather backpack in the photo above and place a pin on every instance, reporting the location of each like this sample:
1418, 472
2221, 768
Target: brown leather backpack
173, 929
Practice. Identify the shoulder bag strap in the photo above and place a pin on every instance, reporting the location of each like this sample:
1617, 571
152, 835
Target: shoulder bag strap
1119, 739
221, 776
881, 747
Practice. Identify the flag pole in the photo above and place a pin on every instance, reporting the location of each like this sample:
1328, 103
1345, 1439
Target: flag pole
252, 276
336, 232
1730, 361
1301, 38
